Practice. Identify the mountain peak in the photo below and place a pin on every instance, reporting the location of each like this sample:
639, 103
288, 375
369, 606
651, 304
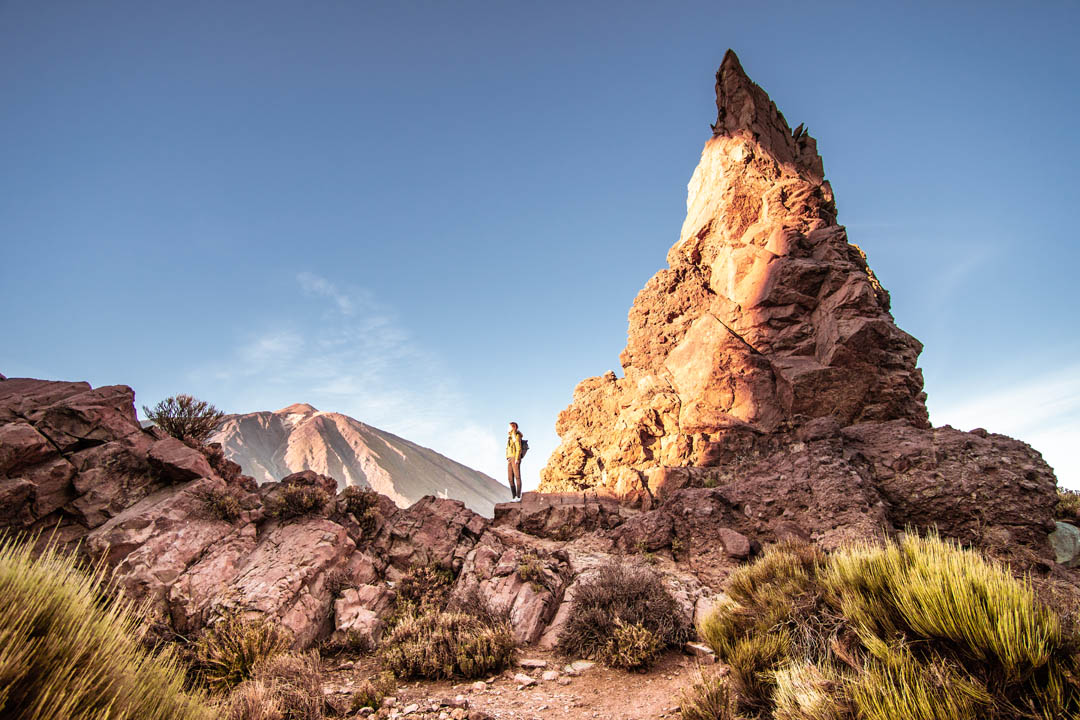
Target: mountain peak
744, 110
297, 409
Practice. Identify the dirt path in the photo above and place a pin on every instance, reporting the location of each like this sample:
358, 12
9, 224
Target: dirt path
594, 693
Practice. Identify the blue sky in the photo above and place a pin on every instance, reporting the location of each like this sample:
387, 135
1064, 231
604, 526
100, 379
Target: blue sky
434, 216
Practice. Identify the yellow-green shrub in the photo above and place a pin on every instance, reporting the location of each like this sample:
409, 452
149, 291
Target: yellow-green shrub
919, 629
708, 698
66, 652
227, 651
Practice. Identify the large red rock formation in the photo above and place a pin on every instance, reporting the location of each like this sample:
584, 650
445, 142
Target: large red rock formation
765, 318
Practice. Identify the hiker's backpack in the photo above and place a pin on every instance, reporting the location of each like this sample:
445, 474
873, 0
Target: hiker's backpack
524, 446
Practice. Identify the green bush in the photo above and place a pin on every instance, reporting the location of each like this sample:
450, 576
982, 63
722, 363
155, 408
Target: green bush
436, 644
618, 596
185, 418
67, 652
228, 651
915, 629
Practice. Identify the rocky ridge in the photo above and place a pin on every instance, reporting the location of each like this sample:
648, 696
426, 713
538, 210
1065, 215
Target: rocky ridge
270, 445
76, 466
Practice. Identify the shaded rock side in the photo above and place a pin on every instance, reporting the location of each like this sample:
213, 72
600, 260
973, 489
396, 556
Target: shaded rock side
765, 318
270, 445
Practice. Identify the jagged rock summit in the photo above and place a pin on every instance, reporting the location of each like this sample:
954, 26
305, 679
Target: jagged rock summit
270, 445
767, 317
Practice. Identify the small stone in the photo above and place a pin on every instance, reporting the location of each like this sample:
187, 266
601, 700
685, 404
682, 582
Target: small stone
579, 666
524, 680
389, 701
478, 686
533, 664
697, 649
411, 708
550, 675
564, 681
457, 702
459, 713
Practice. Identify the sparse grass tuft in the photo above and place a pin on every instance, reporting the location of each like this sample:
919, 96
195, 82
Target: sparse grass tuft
709, 698
227, 652
253, 700
618, 595
918, 629
66, 652
296, 681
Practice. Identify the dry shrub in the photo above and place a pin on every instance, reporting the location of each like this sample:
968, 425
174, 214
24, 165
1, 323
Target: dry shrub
531, 570
67, 651
1067, 508
709, 698
296, 681
631, 646
362, 504
372, 691
620, 596
253, 700
436, 644
423, 588
185, 418
297, 500
227, 652
916, 629
220, 504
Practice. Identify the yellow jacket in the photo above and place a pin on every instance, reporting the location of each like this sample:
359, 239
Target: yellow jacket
513, 445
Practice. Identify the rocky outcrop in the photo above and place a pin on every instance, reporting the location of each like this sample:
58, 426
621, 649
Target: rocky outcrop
271, 445
765, 318
764, 362
195, 548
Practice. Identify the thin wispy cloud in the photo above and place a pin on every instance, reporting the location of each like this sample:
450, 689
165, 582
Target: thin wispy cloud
1043, 412
359, 360
315, 285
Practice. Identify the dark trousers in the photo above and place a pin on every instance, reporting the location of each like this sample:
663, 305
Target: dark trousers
513, 476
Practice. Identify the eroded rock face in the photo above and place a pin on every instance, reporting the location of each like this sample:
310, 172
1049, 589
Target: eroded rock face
766, 317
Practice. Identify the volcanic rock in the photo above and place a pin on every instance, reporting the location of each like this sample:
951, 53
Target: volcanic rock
765, 319
271, 445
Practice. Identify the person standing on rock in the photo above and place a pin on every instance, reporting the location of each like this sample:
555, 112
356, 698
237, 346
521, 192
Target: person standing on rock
513, 460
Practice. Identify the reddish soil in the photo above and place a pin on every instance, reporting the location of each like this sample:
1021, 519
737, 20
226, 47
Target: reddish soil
598, 692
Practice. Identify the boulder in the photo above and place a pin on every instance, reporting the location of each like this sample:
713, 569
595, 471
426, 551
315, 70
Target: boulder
178, 462
1066, 543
